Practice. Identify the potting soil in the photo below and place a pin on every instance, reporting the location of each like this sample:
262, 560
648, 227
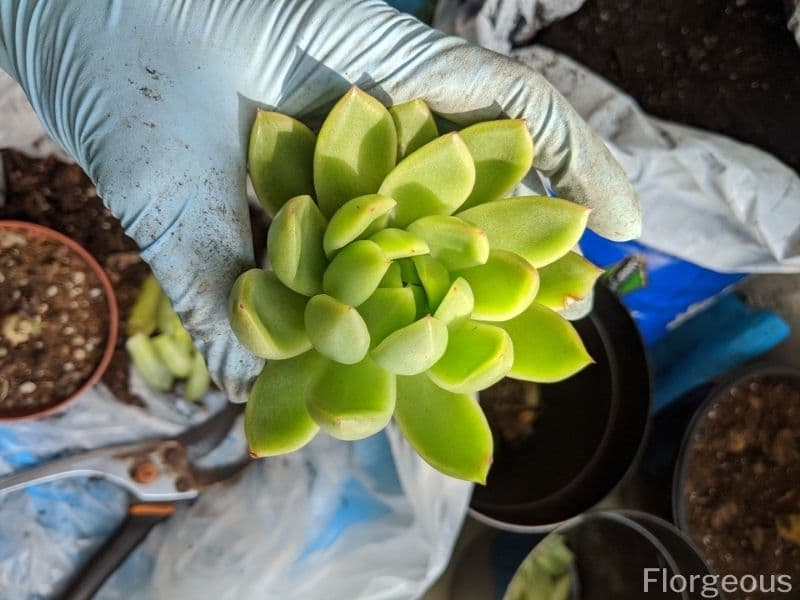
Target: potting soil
742, 490
53, 328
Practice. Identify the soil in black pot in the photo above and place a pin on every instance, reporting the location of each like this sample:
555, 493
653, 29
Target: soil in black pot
53, 323
742, 488
512, 408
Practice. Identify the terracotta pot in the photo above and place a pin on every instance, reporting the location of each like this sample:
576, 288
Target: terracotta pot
34, 231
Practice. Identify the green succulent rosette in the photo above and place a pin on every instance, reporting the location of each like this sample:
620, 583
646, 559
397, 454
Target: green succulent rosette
402, 280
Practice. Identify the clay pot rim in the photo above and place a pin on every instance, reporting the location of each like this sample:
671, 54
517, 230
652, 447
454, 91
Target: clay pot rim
34, 230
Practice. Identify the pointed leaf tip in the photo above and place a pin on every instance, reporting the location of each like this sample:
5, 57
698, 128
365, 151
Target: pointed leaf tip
415, 126
457, 304
434, 180
280, 159
503, 154
294, 246
449, 431
538, 228
356, 149
354, 219
566, 280
547, 348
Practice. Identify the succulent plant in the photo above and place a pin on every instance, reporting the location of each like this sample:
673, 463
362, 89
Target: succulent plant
401, 280
159, 346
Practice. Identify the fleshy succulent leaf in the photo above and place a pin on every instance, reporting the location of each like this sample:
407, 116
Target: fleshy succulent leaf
386, 311
175, 356
478, 355
356, 149
294, 245
276, 420
143, 316
547, 347
199, 379
393, 277
351, 402
149, 364
408, 272
434, 180
434, 277
538, 228
457, 304
415, 126
566, 280
420, 300
503, 287
280, 159
354, 218
267, 317
453, 242
355, 272
449, 431
413, 348
398, 243
336, 329
503, 154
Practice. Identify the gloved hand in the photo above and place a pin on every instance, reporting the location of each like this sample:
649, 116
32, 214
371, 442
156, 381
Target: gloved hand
793, 10
155, 98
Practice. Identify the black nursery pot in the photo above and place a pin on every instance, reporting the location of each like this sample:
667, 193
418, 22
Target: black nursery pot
589, 432
616, 553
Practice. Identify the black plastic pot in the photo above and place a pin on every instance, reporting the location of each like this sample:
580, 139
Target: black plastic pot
757, 371
739, 553
587, 438
615, 553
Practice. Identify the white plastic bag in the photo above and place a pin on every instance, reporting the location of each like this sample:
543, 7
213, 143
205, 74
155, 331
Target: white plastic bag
705, 198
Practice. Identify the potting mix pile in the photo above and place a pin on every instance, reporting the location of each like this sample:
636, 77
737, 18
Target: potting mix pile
742, 488
60, 196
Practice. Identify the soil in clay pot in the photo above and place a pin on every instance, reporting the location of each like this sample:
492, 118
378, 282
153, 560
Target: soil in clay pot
742, 482
53, 323
60, 196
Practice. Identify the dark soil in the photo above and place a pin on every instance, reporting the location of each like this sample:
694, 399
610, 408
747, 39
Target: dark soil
512, 408
52, 327
742, 490
60, 196
730, 66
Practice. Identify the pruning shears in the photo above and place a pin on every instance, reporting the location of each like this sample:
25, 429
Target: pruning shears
156, 473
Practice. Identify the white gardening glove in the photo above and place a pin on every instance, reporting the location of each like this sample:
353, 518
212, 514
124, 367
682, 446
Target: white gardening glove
793, 8
155, 98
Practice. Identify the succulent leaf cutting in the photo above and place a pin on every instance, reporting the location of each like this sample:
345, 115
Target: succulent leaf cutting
402, 280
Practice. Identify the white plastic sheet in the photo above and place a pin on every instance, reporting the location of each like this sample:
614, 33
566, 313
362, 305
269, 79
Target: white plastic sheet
336, 520
706, 198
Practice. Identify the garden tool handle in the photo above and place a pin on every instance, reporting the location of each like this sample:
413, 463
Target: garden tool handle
155, 471
107, 559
